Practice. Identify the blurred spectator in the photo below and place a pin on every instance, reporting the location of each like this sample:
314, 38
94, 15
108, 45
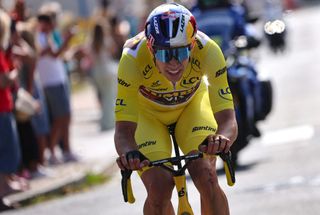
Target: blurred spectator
104, 11
19, 12
54, 81
40, 121
150, 5
103, 73
9, 142
120, 30
54, 9
21, 54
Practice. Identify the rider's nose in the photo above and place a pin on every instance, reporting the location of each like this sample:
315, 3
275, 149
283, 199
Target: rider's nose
174, 62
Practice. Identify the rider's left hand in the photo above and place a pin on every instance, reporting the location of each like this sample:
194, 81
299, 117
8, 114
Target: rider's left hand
215, 144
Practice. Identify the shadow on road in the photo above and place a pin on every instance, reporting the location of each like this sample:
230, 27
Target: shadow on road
239, 168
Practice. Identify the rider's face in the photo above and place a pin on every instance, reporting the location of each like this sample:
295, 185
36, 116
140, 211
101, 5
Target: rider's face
173, 69
172, 62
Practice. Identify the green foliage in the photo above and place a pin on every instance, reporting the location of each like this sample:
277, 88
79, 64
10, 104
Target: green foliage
90, 180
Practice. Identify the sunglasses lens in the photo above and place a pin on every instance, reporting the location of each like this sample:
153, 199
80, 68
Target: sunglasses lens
182, 53
166, 55
163, 55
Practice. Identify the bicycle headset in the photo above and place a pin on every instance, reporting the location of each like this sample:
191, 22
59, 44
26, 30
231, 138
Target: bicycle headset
170, 30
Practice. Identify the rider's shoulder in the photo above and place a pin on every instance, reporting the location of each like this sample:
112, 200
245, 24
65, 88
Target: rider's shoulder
133, 45
203, 40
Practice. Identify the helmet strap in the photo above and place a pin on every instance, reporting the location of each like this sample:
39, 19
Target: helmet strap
149, 45
192, 44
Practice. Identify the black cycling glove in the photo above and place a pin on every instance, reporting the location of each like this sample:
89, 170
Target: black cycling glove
134, 154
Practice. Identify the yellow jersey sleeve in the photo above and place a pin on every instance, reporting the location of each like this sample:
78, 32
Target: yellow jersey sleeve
216, 73
126, 108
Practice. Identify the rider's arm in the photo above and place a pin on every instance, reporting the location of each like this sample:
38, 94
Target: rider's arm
124, 136
126, 111
129, 80
227, 124
221, 101
64, 46
216, 72
125, 142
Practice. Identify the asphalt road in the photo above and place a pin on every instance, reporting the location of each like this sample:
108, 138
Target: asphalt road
281, 174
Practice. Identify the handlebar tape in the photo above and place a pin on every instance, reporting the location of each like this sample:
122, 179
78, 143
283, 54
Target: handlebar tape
228, 168
126, 186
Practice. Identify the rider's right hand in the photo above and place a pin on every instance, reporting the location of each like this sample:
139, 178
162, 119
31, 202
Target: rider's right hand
133, 160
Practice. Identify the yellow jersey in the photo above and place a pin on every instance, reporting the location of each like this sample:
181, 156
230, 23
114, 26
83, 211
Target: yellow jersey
141, 83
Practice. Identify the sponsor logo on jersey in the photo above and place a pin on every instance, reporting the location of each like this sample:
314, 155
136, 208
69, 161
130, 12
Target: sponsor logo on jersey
221, 71
225, 93
195, 63
120, 102
123, 83
156, 83
203, 128
200, 46
160, 89
120, 105
168, 98
147, 143
189, 81
147, 72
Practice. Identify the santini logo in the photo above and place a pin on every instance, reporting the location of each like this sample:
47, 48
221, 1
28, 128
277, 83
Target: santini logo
147, 143
221, 71
200, 128
123, 83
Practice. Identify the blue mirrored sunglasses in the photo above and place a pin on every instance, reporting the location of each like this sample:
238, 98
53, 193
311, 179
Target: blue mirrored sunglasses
166, 55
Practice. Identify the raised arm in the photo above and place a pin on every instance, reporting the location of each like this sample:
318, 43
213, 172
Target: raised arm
8, 79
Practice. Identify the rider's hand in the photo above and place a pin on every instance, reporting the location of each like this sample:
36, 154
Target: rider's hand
215, 144
133, 160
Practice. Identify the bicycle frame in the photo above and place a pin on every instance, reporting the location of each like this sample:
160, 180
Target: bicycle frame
179, 175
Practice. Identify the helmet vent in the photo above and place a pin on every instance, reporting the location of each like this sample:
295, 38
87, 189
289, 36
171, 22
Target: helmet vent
175, 27
169, 29
164, 28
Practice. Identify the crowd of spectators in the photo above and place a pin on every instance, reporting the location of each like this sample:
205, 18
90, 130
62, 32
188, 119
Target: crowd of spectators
35, 65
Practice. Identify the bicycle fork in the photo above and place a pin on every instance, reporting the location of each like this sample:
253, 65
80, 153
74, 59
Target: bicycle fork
184, 207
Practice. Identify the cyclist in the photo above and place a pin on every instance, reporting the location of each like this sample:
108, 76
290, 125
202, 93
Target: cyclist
161, 82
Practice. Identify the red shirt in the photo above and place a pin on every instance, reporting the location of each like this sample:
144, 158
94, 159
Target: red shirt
6, 103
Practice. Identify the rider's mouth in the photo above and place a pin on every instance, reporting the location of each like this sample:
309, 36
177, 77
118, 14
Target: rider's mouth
173, 71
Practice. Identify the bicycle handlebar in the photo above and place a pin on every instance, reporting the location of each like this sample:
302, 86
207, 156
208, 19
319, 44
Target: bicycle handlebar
126, 181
